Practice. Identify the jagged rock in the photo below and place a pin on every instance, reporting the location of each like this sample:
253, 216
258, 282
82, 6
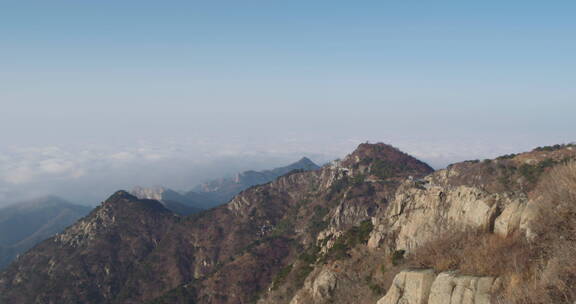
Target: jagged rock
516, 216
419, 214
410, 287
324, 285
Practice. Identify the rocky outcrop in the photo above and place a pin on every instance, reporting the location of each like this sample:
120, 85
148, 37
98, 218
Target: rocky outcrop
317, 289
410, 287
424, 287
517, 215
424, 209
456, 289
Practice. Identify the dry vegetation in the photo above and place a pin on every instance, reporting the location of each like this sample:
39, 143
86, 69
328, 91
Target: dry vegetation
542, 270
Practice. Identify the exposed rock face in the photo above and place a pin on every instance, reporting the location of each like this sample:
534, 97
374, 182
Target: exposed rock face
455, 289
421, 210
424, 287
318, 289
517, 215
410, 287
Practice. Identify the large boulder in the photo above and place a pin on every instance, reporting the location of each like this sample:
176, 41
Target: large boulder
410, 287
454, 289
425, 287
317, 289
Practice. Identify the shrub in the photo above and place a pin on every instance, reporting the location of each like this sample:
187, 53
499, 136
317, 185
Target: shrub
555, 229
382, 169
397, 257
507, 156
310, 255
302, 273
553, 148
317, 222
354, 236
281, 276
474, 252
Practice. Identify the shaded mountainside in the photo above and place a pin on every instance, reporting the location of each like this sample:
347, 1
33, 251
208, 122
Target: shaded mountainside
25, 224
339, 234
91, 261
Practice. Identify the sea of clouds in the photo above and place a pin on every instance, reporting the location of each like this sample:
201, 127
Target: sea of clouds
88, 173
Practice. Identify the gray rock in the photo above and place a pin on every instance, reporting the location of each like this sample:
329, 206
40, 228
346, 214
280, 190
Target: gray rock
410, 287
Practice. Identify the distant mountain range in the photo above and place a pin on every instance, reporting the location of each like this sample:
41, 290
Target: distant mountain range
219, 191
25, 224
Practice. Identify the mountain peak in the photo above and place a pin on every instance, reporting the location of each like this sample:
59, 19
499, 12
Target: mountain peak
383, 160
305, 161
122, 200
122, 195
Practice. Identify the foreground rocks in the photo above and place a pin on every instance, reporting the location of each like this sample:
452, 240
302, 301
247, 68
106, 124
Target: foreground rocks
425, 287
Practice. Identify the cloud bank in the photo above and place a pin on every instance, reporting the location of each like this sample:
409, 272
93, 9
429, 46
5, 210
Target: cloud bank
89, 173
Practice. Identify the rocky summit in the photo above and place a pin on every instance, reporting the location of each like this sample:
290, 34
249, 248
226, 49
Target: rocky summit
378, 226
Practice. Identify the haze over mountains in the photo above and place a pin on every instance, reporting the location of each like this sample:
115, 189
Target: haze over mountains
219, 191
24, 224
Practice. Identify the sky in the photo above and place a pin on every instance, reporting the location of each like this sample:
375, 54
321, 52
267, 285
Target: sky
102, 95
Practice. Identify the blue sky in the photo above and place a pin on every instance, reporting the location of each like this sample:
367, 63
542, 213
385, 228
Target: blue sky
444, 80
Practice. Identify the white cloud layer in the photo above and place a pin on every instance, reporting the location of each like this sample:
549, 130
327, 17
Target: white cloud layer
88, 173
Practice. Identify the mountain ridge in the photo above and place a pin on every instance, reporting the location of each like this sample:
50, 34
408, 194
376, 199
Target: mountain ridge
218, 191
24, 224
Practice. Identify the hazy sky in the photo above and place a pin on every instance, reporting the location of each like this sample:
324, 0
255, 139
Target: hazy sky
160, 92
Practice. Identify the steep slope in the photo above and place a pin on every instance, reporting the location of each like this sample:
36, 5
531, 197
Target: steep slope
229, 254
24, 224
90, 261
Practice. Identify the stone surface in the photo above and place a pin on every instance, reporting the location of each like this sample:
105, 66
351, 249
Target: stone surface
324, 285
418, 214
410, 287
317, 289
424, 287
454, 289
